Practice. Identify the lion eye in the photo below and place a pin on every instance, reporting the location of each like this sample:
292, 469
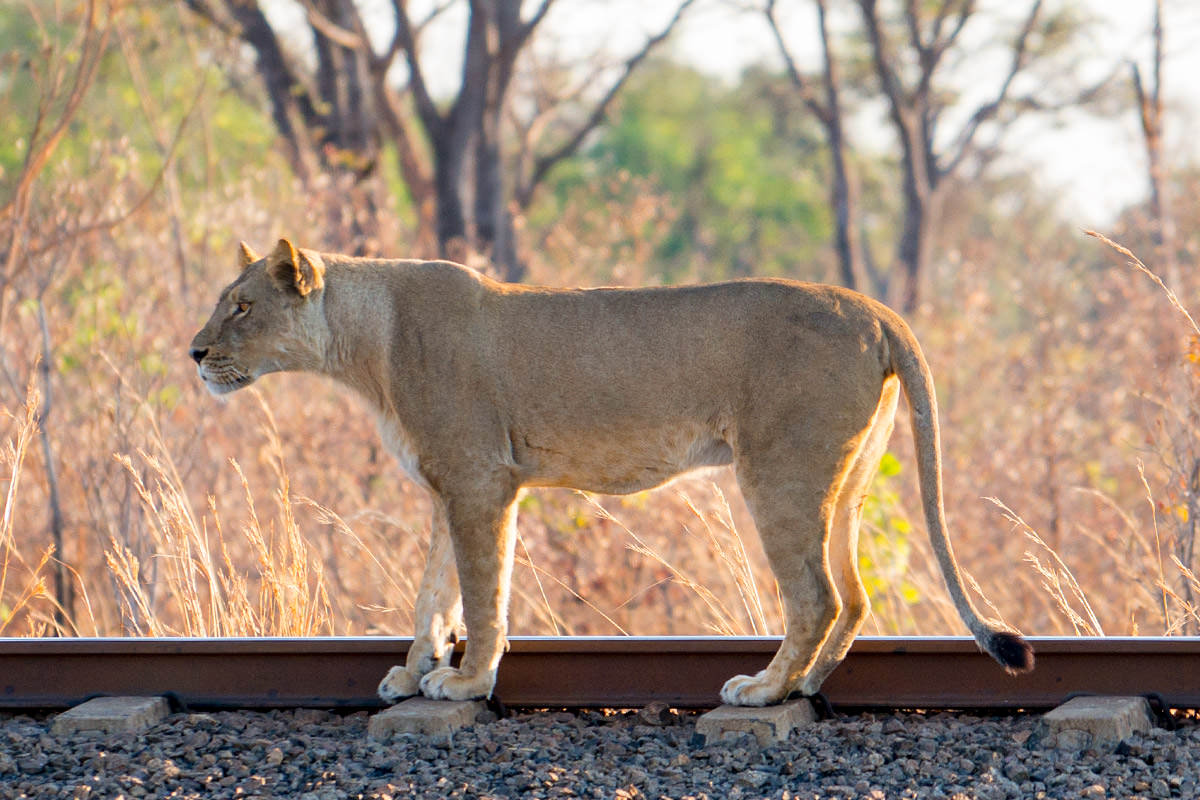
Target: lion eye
241, 308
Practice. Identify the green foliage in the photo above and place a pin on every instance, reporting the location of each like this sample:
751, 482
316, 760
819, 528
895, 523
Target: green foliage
742, 172
97, 298
885, 541
190, 99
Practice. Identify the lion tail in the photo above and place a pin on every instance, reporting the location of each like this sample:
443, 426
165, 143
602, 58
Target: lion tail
908, 363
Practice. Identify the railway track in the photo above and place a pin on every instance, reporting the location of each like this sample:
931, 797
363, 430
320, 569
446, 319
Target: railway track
589, 672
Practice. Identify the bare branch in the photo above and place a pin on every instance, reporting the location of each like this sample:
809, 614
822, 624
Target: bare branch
332, 31
912, 17
413, 168
799, 81
528, 28
383, 62
1150, 106
407, 40
899, 105
930, 52
93, 43
881, 53
939, 44
117, 219
90, 45
217, 13
292, 108
545, 163
1143, 101
433, 14
964, 13
987, 111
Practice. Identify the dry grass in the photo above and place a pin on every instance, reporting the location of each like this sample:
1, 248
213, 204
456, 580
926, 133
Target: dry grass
1057, 579
1137, 264
195, 581
730, 597
21, 583
195, 587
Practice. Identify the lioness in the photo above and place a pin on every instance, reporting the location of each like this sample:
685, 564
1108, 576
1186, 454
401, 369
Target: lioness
482, 388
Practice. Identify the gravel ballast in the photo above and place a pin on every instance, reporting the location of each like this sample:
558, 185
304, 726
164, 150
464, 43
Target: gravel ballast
319, 755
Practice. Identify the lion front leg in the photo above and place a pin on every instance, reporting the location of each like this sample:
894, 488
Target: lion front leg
483, 539
438, 615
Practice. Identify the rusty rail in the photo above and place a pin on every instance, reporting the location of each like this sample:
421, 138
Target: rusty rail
884, 672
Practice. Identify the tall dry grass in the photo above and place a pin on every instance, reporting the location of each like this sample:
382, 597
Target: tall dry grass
733, 598
22, 583
194, 585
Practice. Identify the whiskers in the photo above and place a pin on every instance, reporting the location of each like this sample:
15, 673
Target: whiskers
222, 376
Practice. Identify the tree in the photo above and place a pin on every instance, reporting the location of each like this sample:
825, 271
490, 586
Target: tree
336, 114
908, 66
912, 50
825, 103
60, 82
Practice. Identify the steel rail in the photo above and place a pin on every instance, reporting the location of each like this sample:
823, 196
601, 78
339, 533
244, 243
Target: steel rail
613, 672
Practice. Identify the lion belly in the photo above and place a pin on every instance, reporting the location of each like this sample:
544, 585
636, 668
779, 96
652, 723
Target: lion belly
619, 464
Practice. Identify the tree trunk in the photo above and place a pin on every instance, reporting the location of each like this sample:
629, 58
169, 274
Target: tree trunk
915, 247
451, 215
843, 192
494, 231
844, 199
291, 111
334, 114
906, 59
1162, 219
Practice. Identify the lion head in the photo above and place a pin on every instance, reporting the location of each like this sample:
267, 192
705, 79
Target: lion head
268, 320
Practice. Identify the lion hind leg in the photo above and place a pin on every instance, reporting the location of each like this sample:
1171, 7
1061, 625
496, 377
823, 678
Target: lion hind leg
438, 616
843, 542
811, 608
792, 466
793, 523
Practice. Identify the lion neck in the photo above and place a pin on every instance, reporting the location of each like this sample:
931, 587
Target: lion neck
358, 318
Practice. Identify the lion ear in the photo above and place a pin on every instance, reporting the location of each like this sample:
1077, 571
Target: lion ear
294, 270
246, 256
312, 269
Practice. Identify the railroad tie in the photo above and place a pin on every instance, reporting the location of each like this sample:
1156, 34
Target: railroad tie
1096, 722
111, 715
437, 719
768, 724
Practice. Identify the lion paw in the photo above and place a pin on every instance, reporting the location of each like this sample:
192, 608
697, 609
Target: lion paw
752, 690
449, 683
398, 684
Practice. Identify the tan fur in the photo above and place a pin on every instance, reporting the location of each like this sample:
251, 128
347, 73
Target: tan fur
482, 388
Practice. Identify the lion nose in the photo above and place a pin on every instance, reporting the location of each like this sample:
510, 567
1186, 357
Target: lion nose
198, 353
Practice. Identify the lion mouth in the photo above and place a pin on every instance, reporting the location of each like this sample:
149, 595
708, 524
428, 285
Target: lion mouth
224, 381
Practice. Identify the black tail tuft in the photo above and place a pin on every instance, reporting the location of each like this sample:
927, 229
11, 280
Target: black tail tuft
1014, 653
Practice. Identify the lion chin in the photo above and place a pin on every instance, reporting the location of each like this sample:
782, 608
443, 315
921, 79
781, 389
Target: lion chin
221, 387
